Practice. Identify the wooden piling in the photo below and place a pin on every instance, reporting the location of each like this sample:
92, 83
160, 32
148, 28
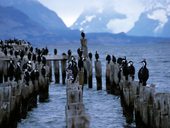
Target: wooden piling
63, 68
84, 47
75, 110
81, 77
114, 80
89, 72
108, 82
56, 71
98, 74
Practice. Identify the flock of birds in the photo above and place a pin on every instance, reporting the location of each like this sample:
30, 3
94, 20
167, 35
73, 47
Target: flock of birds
15, 69
128, 68
23, 62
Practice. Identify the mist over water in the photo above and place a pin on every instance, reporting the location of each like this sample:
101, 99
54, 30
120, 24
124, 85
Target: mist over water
104, 109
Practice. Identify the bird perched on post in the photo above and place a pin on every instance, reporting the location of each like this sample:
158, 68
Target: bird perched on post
125, 68
131, 69
96, 56
143, 73
83, 35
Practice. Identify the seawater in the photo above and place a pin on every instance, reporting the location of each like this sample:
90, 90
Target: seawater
104, 109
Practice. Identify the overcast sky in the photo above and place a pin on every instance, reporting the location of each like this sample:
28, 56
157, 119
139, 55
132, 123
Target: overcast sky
69, 10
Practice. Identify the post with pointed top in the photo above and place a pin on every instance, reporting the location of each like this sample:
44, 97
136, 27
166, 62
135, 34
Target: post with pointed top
98, 72
63, 68
85, 53
56, 69
84, 45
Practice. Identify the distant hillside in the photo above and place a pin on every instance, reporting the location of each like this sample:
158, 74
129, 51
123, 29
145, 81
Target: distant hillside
38, 13
29, 19
14, 23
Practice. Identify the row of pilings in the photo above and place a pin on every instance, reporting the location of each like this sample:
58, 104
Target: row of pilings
144, 105
24, 76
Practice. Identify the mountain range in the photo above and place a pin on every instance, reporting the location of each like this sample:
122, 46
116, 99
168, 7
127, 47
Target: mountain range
94, 20
146, 26
30, 20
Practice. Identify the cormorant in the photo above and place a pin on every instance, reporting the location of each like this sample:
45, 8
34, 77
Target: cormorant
22, 54
69, 52
11, 70
29, 56
131, 69
80, 52
96, 56
80, 63
34, 58
108, 58
113, 59
90, 55
119, 60
55, 51
125, 68
83, 35
143, 73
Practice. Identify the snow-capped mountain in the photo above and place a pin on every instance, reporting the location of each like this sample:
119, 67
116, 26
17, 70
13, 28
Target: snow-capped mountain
152, 24
154, 20
95, 20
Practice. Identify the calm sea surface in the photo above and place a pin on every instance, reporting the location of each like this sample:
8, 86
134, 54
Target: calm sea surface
104, 110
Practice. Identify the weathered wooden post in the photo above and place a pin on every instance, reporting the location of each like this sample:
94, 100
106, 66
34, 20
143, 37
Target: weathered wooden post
98, 72
50, 70
114, 80
5, 106
56, 69
108, 71
44, 82
81, 72
84, 45
75, 110
89, 70
63, 68
85, 53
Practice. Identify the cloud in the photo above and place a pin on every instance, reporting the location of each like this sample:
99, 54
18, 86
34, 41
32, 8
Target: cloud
118, 25
131, 9
161, 16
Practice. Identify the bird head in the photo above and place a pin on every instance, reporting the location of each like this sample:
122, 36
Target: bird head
144, 62
130, 62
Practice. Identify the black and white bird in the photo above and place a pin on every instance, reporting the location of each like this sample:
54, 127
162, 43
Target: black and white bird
125, 68
131, 69
143, 73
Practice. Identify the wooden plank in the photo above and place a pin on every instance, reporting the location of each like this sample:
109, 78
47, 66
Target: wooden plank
55, 57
